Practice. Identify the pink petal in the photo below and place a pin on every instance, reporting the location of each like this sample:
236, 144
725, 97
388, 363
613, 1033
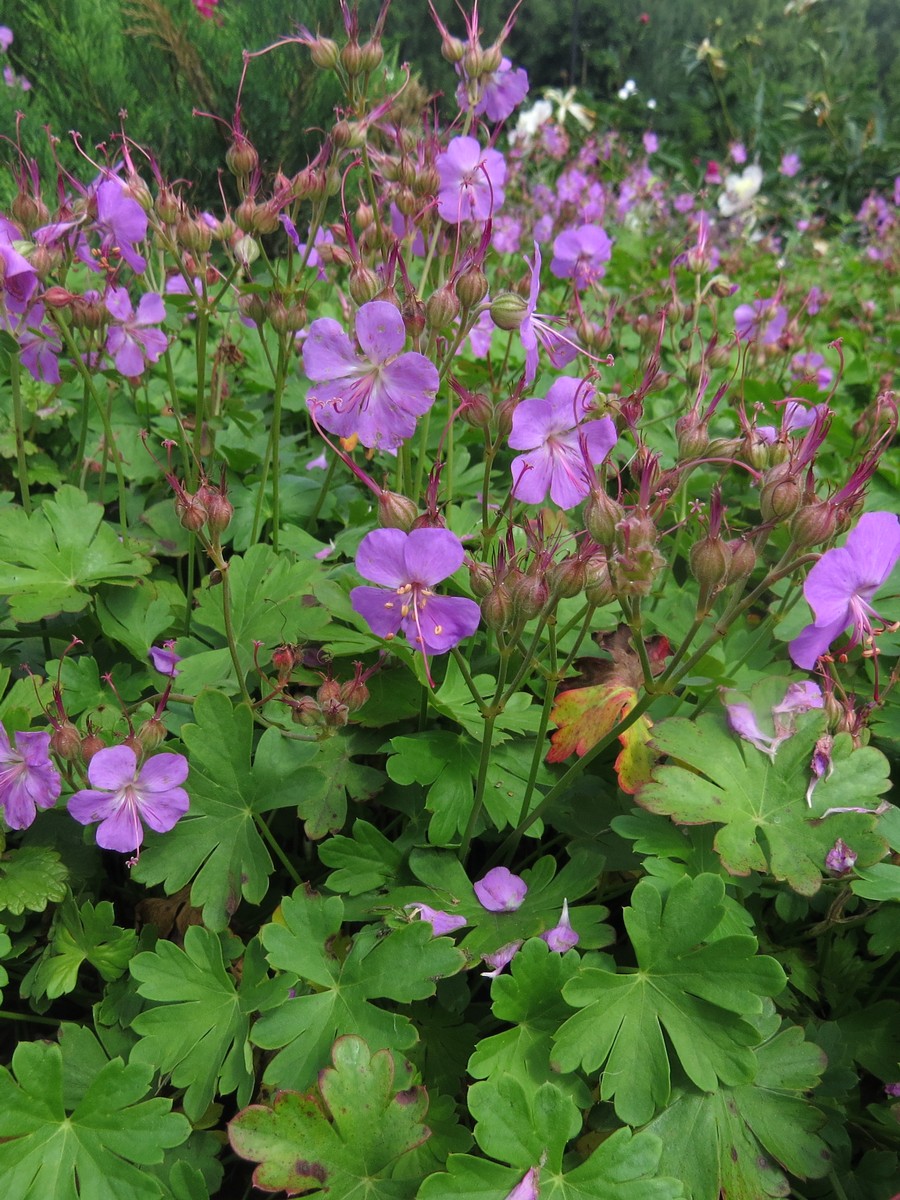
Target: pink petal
112, 768
122, 830
431, 555
161, 772
380, 330
88, 806
151, 310
162, 812
444, 621
382, 610
118, 304
830, 586
814, 642
328, 353
530, 423
380, 557
532, 475
874, 546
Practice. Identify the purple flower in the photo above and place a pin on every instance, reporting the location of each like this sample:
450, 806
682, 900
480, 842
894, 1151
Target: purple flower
840, 587
812, 366
561, 937
133, 342
796, 416
377, 394
17, 275
500, 93
501, 891
738, 152
534, 329
683, 202
165, 659
762, 321
410, 565
501, 958
121, 797
6, 38
892, 1090
560, 449
122, 222
441, 922
651, 142
527, 1187
581, 255
790, 165
28, 779
753, 726
840, 858
471, 181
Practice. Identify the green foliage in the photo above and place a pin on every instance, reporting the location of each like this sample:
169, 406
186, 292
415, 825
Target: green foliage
80, 934
342, 981
347, 1137
81, 1128
30, 877
697, 988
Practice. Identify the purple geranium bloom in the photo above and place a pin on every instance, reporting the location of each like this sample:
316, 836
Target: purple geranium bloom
534, 328
441, 922
410, 565
6, 38
164, 659
377, 394
892, 1090
122, 222
840, 587
121, 797
17, 275
738, 152
500, 93
840, 859
28, 779
796, 416
762, 321
746, 722
471, 181
133, 342
560, 449
651, 142
581, 255
790, 165
811, 366
500, 890
561, 937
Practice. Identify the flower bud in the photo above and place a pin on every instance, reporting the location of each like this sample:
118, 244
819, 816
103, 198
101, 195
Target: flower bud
497, 608
396, 511
65, 741
372, 55
406, 202
427, 181
452, 49
168, 206
253, 306
508, 311
306, 712
813, 524
241, 157
481, 579
598, 588
364, 284
328, 692
477, 410
505, 410
194, 235
780, 495
721, 286
151, 734
471, 287
743, 559
710, 561
692, 435
58, 297
91, 745
529, 594
29, 211
341, 134
191, 511
246, 250
491, 59
352, 59
324, 53
567, 578
601, 516
354, 694
219, 510
413, 313
285, 318
442, 308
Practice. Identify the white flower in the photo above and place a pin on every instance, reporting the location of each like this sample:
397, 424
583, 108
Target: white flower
567, 106
530, 120
740, 190
628, 89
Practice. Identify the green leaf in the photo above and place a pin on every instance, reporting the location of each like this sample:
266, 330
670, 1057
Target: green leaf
529, 1000
219, 842
347, 1137
336, 778
198, 1034
31, 877
51, 560
454, 700
364, 861
695, 991
134, 618
735, 1141
5, 948
87, 934
403, 965
878, 882
760, 804
83, 1142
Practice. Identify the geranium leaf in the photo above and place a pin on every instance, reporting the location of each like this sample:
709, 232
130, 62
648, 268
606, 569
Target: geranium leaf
87, 934
363, 861
218, 843
198, 1031
403, 965
30, 877
90, 1140
50, 560
346, 1137
697, 991
760, 804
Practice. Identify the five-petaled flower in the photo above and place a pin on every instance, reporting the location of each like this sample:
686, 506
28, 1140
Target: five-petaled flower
28, 779
561, 450
377, 395
410, 565
121, 797
133, 341
581, 255
472, 179
840, 587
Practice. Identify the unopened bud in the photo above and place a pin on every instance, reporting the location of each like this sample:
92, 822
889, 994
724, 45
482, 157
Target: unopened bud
481, 579
65, 741
168, 206
497, 608
219, 510
91, 745
253, 306
194, 235
241, 157
743, 559
29, 211
780, 496
328, 692
413, 313
442, 308
721, 286
477, 410
306, 712
372, 55
151, 734
598, 587
352, 59
491, 59
191, 511
692, 435
567, 578
813, 524
396, 511
354, 694
364, 284
341, 134
471, 287
452, 49
58, 297
508, 311
324, 53
710, 560
246, 250
529, 595
286, 318
601, 516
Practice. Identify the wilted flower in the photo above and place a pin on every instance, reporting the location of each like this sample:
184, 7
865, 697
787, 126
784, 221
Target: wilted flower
560, 449
410, 565
441, 922
165, 659
377, 394
501, 958
561, 937
581, 255
28, 779
501, 891
121, 797
840, 587
527, 1187
133, 341
753, 726
472, 181
840, 858
740, 190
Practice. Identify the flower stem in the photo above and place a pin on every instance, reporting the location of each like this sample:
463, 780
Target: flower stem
19, 423
549, 697
279, 853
